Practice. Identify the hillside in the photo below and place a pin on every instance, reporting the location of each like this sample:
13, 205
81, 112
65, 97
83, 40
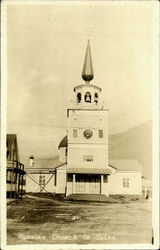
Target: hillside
136, 143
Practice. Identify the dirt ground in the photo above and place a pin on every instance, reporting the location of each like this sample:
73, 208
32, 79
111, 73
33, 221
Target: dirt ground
35, 220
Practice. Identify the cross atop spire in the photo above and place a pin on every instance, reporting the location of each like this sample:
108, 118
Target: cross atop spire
87, 72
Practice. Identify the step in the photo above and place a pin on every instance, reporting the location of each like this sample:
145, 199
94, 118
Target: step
91, 197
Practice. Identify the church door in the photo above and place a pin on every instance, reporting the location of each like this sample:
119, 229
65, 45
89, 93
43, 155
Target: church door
94, 184
80, 184
88, 184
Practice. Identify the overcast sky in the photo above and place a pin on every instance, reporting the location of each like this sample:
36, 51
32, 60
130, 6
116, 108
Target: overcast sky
46, 48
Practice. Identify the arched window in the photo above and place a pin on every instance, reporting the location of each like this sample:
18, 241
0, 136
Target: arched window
87, 97
96, 98
79, 97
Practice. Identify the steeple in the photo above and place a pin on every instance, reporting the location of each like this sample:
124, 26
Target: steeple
87, 95
87, 72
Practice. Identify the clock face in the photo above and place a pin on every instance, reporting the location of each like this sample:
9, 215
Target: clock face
88, 133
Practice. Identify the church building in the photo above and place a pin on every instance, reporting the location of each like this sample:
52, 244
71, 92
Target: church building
85, 148
83, 166
87, 152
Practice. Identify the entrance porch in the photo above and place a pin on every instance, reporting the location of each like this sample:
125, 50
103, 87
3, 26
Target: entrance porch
87, 184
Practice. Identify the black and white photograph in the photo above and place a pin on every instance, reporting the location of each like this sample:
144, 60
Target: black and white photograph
79, 96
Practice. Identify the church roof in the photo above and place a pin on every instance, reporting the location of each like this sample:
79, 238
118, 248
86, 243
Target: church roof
87, 72
41, 163
88, 86
125, 164
63, 143
45, 164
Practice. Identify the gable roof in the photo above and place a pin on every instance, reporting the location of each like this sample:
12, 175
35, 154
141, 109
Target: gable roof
125, 165
46, 163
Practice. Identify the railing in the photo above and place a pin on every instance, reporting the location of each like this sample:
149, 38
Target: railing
15, 179
15, 165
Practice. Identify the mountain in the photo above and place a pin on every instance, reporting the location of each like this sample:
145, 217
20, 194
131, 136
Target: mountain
136, 143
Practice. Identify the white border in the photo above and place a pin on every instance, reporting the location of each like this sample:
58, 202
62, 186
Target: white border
155, 130
80, 2
3, 126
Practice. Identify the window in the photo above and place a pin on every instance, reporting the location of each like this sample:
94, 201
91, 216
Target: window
88, 158
87, 97
42, 180
96, 98
79, 97
75, 133
100, 132
126, 182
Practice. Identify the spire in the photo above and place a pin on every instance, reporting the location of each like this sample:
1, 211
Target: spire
87, 72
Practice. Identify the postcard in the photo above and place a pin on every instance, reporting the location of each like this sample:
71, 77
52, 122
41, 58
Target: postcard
79, 125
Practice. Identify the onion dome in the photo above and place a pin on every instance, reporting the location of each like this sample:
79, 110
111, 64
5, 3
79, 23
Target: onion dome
63, 143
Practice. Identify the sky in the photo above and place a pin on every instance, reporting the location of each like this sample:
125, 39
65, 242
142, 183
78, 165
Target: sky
45, 53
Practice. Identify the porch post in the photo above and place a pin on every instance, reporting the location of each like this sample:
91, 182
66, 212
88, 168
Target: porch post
14, 175
15, 180
101, 183
74, 180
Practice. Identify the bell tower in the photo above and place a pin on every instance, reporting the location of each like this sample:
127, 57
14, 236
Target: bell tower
87, 157
87, 95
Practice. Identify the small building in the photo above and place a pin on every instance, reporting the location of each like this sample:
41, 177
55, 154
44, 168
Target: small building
15, 174
45, 176
126, 177
83, 152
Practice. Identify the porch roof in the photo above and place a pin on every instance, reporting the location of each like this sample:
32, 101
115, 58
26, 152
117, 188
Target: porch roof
88, 171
